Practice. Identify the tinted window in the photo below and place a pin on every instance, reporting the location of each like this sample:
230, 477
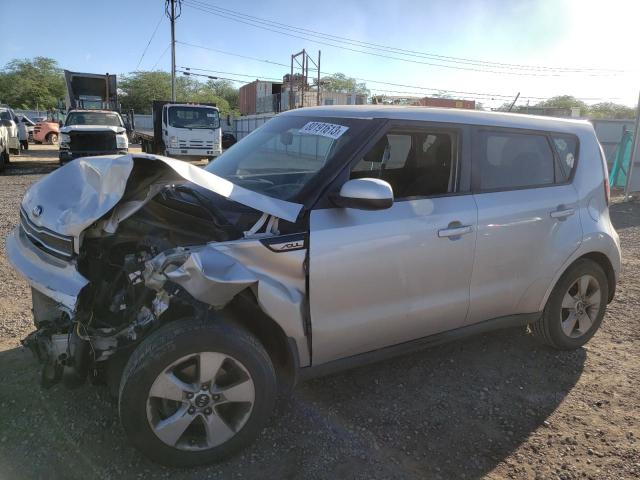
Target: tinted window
415, 163
567, 147
514, 160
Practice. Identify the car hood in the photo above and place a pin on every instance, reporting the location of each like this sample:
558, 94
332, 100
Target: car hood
112, 188
92, 128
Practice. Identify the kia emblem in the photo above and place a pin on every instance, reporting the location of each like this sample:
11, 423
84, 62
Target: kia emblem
37, 210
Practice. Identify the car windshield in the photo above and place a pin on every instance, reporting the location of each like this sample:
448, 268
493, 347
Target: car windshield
94, 118
283, 155
5, 115
194, 117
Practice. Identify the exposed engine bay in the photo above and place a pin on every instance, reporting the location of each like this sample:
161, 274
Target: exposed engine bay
174, 255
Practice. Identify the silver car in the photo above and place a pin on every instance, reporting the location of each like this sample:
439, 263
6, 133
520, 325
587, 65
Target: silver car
328, 238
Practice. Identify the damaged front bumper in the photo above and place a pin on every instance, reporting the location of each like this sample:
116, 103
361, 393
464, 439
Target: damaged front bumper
53, 277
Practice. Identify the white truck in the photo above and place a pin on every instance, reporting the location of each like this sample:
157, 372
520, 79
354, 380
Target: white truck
93, 125
182, 130
10, 119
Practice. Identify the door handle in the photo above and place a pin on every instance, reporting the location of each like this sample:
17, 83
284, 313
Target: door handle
455, 231
562, 213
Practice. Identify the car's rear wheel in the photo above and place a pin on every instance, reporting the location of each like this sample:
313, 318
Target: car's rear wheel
195, 392
575, 307
52, 138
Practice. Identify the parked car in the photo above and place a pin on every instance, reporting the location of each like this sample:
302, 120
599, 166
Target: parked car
328, 238
30, 124
228, 139
46, 131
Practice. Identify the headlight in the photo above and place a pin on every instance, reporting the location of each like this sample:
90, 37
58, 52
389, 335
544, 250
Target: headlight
121, 141
64, 139
173, 142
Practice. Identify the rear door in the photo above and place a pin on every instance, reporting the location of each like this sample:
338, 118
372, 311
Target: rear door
528, 222
380, 278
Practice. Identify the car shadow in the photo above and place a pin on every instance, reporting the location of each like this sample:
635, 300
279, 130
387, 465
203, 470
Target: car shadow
453, 411
32, 162
624, 215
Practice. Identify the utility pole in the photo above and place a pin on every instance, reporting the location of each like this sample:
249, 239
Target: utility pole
170, 10
635, 154
318, 100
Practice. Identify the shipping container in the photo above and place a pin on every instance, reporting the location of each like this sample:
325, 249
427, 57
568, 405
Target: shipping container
259, 97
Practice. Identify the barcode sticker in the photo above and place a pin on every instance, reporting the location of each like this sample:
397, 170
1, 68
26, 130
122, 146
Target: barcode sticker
323, 129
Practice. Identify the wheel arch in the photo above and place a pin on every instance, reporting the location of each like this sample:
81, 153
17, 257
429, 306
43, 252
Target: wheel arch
600, 259
245, 312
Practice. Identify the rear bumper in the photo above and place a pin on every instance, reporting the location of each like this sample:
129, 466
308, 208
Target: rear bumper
66, 155
195, 152
55, 278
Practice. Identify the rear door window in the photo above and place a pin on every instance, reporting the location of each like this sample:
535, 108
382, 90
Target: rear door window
513, 160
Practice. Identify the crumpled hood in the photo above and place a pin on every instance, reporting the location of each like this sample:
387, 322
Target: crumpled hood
73, 197
92, 128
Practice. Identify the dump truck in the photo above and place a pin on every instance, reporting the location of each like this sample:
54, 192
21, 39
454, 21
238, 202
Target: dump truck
93, 125
182, 130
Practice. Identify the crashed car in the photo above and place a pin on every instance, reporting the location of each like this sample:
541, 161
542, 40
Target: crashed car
328, 238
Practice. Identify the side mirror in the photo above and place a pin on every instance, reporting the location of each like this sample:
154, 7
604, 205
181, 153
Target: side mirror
365, 194
6, 123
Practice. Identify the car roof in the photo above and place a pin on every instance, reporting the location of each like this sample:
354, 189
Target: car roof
446, 115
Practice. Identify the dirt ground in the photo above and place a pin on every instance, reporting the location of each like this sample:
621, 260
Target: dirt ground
495, 406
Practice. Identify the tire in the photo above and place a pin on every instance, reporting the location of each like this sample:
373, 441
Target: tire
52, 138
554, 325
179, 348
4, 160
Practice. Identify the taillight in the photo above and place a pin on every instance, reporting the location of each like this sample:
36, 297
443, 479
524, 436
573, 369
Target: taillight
607, 190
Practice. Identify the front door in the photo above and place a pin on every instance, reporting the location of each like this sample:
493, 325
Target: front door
380, 278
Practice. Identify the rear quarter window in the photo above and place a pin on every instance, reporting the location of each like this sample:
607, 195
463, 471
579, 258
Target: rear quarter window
567, 149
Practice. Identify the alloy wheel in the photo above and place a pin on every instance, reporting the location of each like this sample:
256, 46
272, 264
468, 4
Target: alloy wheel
200, 401
580, 306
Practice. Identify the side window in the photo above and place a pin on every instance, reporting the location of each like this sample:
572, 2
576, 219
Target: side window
567, 148
416, 163
514, 160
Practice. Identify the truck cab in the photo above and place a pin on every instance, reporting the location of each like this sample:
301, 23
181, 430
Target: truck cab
182, 130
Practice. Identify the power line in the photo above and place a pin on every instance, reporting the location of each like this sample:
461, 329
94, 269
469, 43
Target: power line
150, 39
210, 10
396, 50
369, 80
160, 57
256, 77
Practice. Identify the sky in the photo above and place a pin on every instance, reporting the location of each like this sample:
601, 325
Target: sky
596, 38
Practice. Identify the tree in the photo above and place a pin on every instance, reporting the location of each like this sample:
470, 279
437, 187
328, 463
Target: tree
611, 110
37, 83
565, 101
339, 82
139, 89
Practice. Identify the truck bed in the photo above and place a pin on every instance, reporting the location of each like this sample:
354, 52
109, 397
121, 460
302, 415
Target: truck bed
146, 134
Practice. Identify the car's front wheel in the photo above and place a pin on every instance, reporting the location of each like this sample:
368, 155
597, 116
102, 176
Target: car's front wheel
575, 307
195, 392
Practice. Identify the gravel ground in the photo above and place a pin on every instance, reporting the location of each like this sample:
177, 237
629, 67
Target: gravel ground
495, 406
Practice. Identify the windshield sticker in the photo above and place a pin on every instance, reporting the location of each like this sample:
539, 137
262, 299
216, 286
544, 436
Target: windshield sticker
211, 115
330, 130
